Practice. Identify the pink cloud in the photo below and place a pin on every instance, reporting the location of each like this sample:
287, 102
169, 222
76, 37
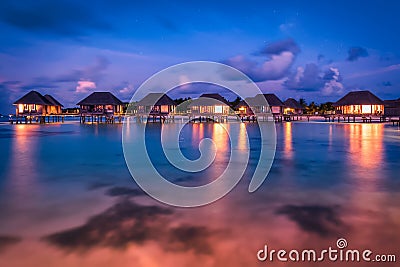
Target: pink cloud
85, 86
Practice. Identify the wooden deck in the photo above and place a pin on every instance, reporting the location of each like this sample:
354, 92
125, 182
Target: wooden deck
36, 118
355, 118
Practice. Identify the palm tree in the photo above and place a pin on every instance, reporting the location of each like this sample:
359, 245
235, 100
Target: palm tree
303, 102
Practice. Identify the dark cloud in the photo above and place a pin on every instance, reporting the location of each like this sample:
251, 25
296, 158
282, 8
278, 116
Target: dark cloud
322, 220
278, 47
6, 241
12, 90
64, 18
387, 83
281, 56
130, 223
93, 72
38, 84
306, 79
125, 222
331, 74
97, 185
168, 24
188, 237
274, 69
124, 191
356, 52
312, 78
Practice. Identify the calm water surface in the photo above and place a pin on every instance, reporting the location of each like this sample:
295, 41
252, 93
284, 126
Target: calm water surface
67, 198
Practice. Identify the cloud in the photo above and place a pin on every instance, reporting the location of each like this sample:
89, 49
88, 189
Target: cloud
189, 237
306, 78
85, 86
387, 83
126, 89
124, 191
286, 27
394, 67
322, 220
278, 47
354, 53
127, 223
333, 88
61, 18
6, 241
168, 24
312, 78
281, 55
97, 185
273, 69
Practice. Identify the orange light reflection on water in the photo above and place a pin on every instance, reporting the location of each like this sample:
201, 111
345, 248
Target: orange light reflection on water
366, 145
288, 150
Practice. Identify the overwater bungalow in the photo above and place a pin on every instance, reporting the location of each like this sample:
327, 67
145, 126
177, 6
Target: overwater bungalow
35, 104
101, 103
243, 109
292, 107
209, 104
359, 103
155, 104
392, 107
55, 107
275, 105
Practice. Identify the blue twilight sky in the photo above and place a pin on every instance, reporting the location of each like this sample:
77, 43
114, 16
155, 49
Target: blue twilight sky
318, 50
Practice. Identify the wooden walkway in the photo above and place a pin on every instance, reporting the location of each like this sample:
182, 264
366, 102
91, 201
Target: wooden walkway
100, 118
354, 118
41, 119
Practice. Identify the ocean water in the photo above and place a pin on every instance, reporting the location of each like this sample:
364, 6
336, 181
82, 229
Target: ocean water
67, 197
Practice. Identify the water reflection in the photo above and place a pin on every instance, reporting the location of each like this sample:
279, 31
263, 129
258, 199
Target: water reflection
220, 137
288, 151
197, 133
132, 229
22, 172
366, 145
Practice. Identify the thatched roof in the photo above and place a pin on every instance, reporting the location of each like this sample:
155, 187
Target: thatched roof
292, 103
392, 103
359, 98
100, 98
242, 103
259, 100
156, 99
33, 97
53, 101
209, 100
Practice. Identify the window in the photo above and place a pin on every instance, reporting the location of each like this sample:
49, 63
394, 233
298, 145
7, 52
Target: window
20, 108
366, 109
218, 109
164, 109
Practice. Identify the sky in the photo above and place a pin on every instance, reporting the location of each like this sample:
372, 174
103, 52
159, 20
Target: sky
317, 50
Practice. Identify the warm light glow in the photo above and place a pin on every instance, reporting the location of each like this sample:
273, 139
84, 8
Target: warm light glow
20, 108
276, 109
366, 145
288, 140
362, 109
242, 138
218, 109
164, 109
288, 111
366, 109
